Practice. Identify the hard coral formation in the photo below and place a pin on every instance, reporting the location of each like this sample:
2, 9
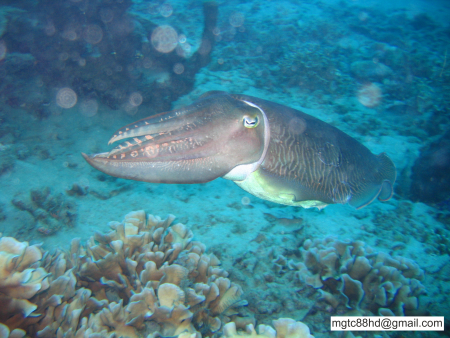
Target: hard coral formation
350, 273
145, 277
284, 328
6, 333
21, 278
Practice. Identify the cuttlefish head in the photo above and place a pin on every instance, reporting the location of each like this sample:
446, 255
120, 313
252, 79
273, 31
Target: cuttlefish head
217, 136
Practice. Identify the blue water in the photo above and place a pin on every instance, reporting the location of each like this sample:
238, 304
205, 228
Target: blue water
74, 72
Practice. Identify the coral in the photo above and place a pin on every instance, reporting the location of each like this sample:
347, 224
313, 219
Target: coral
6, 333
20, 278
284, 328
352, 274
6, 158
78, 41
430, 181
51, 212
313, 66
146, 276
6, 14
369, 70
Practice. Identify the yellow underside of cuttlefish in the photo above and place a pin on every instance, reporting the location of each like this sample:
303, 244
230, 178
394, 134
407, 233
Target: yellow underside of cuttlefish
257, 185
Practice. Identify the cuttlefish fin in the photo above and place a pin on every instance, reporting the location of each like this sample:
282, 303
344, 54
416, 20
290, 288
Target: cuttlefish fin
383, 191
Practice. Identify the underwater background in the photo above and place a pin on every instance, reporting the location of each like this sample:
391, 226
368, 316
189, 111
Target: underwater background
72, 72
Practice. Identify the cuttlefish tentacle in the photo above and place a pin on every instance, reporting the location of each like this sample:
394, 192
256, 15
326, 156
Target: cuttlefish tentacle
272, 151
195, 144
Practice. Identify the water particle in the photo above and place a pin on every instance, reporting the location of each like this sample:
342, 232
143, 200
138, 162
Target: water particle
184, 50
178, 68
84, 182
106, 15
70, 35
153, 9
246, 201
93, 34
54, 109
63, 56
75, 56
363, 16
369, 95
297, 126
147, 63
164, 38
50, 29
237, 19
130, 109
166, 10
66, 98
135, 99
101, 85
88, 107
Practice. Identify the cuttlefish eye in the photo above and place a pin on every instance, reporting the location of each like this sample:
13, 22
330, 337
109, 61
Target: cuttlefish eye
251, 122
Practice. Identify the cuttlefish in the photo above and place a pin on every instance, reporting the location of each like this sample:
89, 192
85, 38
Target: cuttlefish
272, 151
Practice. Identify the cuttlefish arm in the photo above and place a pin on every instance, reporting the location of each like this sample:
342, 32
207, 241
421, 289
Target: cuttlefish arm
195, 144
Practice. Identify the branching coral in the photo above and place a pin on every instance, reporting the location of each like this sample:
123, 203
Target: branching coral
284, 328
6, 333
145, 277
352, 274
21, 278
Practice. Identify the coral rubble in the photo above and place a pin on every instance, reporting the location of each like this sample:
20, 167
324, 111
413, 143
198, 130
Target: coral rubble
50, 211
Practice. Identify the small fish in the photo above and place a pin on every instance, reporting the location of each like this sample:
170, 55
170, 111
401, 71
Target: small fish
283, 221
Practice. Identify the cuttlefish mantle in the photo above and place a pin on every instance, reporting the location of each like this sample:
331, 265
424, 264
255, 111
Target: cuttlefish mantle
272, 151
